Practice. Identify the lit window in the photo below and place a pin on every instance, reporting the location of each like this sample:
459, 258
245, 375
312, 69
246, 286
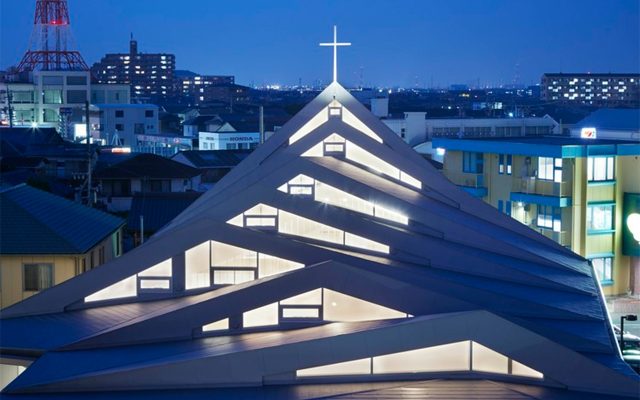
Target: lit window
603, 267
550, 169
600, 217
350, 119
263, 316
37, 276
600, 169
221, 325
313, 123
197, 265
549, 217
124, 288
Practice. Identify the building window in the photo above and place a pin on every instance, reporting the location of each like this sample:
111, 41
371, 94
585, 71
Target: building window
52, 96
119, 113
550, 169
600, 217
504, 164
472, 162
76, 80
119, 127
603, 267
148, 113
549, 217
600, 169
76, 96
38, 276
50, 115
156, 185
116, 188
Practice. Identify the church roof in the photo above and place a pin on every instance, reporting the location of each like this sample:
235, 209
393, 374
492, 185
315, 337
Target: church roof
332, 253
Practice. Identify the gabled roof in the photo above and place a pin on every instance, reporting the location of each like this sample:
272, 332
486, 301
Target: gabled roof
148, 166
339, 203
36, 222
158, 209
614, 119
214, 158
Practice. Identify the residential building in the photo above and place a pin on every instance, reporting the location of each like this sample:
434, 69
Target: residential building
144, 173
149, 75
120, 124
601, 90
55, 99
569, 189
333, 261
214, 164
414, 128
46, 240
195, 87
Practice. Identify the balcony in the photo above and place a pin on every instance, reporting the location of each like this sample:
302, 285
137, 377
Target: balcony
470, 182
538, 191
562, 237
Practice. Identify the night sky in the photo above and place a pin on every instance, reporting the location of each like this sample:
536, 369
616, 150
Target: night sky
395, 43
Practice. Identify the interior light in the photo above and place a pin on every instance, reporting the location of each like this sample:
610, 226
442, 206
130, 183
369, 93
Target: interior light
633, 223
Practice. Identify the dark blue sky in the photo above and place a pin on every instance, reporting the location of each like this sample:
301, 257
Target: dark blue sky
399, 42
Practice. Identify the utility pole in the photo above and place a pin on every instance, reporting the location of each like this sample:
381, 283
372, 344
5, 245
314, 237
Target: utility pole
261, 124
89, 155
9, 100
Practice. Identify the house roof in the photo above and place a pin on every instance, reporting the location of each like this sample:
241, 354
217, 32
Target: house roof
158, 209
36, 222
214, 158
613, 119
147, 166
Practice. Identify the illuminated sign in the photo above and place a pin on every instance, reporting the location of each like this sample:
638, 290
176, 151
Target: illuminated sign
121, 150
631, 224
588, 133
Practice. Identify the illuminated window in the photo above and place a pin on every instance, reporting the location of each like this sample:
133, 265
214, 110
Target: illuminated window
487, 360
549, 217
124, 288
600, 169
350, 119
263, 316
197, 265
313, 123
550, 169
505, 164
342, 307
603, 267
443, 358
270, 265
600, 217
221, 325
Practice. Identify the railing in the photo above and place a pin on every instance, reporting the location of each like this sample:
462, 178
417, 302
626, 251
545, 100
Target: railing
465, 179
562, 237
533, 185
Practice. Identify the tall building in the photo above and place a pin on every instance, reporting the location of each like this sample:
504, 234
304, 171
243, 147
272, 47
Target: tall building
150, 75
602, 90
195, 88
570, 189
332, 261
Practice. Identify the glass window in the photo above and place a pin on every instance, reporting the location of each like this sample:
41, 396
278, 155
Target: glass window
119, 113
52, 96
549, 217
501, 166
125, 288
148, 113
600, 217
263, 316
550, 169
76, 96
76, 80
487, 360
21, 97
603, 267
600, 169
472, 162
50, 115
446, 357
38, 276
509, 164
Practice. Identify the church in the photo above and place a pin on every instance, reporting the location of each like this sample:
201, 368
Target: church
333, 262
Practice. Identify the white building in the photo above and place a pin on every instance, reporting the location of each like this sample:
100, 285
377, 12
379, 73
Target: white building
415, 128
55, 98
120, 123
227, 137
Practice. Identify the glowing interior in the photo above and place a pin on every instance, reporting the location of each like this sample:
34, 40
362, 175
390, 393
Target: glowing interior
361, 156
328, 194
453, 357
319, 119
218, 263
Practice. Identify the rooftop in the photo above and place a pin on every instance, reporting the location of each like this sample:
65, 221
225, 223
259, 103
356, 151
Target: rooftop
158, 209
37, 222
214, 158
614, 119
147, 166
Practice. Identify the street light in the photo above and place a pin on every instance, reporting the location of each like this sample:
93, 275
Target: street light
630, 317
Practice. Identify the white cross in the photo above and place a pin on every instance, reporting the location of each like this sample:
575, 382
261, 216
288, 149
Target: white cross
335, 45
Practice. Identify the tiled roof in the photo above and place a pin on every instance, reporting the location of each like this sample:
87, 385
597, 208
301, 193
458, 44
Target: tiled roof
36, 222
147, 166
215, 158
623, 119
158, 208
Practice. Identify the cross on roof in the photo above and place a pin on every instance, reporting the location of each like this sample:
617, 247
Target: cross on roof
335, 45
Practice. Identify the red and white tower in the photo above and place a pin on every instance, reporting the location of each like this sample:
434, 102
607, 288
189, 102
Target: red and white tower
51, 45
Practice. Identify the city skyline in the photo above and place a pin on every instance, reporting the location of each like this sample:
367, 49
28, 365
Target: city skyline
478, 43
